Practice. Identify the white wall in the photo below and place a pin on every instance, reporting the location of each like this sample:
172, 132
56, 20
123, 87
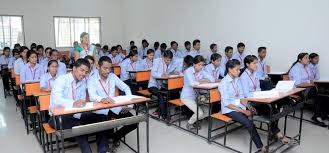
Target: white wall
284, 27
39, 22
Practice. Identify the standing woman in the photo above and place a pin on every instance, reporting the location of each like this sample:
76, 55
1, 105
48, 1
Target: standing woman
47, 80
84, 48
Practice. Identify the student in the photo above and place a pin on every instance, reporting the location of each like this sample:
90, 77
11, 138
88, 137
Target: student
4, 64
214, 69
143, 49
187, 45
41, 56
162, 67
115, 58
213, 49
61, 66
104, 51
33, 45
231, 101
158, 53
314, 67
85, 48
34, 49
194, 76
302, 75
175, 51
131, 43
47, 80
147, 62
16, 55
93, 70
47, 54
239, 55
130, 63
19, 63
265, 83
122, 54
156, 45
227, 56
102, 88
196, 48
98, 49
32, 71
17, 46
188, 62
69, 91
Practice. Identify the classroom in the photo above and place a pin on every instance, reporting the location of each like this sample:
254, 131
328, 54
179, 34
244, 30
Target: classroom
160, 76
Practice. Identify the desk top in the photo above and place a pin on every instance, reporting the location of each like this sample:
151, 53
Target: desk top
139, 71
30, 82
58, 111
41, 93
321, 81
277, 73
207, 86
170, 77
281, 96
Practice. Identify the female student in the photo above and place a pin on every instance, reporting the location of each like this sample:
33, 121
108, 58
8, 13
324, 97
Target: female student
85, 48
214, 69
4, 64
302, 75
32, 71
231, 104
265, 83
130, 63
122, 53
250, 83
194, 76
114, 56
188, 62
147, 62
47, 80
19, 63
61, 66
41, 57
315, 70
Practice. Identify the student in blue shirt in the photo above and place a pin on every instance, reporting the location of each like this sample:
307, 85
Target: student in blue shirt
214, 69
232, 104
61, 66
213, 49
4, 64
239, 55
147, 62
47, 80
262, 73
158, 53
314, 66
194, 76
130, 63
93, 70
196, 48
228, 56
142, 50
42, 60
19, 63
175, 51
114, 56
32, 71
156, 45
187, 48
102, 88
302, 75
188, 62
69, 90
122, 54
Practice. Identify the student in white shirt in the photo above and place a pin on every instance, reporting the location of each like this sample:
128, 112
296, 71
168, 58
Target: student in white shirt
314, 66
131, 43
239, 55
102, 88
69, 90
175, 51
158, 53
142, 50
4, 64
47, 80
42, 60
93, 70
147, 62
214, 69
122, 53
130, 63
213, 49
19, 63
262, 73
32, 71
187, 48
228, 56
16, 55
156, 46
61, 66
114, 56
194, 76
104, 51
196, 48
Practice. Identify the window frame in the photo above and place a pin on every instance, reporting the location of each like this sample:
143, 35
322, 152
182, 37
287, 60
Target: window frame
23, 30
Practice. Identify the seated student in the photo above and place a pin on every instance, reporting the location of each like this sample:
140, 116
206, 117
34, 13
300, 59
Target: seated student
175, 51
147, 62
188, 62
98, 49
214, 69
265, 83
4, 65
33, 45
130, 63
251, 83
194, 76
68, 91
143, 49
121, 52
131, 43
61, 66
227, 56
301, 74
156, 46
41, 56
158, 53
231, 101
93, 70
104, 51
213, 49
187, 49
19, 63
239, 55
115, 58
16, 55
196, 48
47, 80
314, 67
162, 67
47, 54
102, 88
32, 71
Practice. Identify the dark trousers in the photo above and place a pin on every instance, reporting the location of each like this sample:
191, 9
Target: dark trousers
265, 85
5, 74
133, 87
319, 106
161, 101
243, 119
264, 110
123, 131
69, 121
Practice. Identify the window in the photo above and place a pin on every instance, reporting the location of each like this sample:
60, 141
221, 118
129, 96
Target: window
11, 31
68, 30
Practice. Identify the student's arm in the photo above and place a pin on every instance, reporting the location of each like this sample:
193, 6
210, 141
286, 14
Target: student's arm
155, 72
245, 85
43, 82
190, 78
22, 75
208, 77
121, 85
317, 73
92, 91
57, 93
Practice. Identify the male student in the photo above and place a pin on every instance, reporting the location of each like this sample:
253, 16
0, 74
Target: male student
187, 49
102, 88
175, 51
196, 48
240, 54
158, 53
69, 91
142, 50
213, 49
265, 83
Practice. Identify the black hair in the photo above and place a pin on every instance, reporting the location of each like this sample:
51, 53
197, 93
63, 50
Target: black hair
228, 48
106, 47
145, 41
241, 44
131, 42
33, 45
313, 55
119, 46
168, 54
98, 45
212, 46
89, 57
197, 59
133, 47
52, 51
17, 45
215, 56
23, 48
149, 51
196, 41
156, 44
230, 64
113, 48
299, 57
247, 60
40, 47
173, 42
81, 62
163, 46
104, 59
261, 48
132, 53
188, 60
15, 51
30, 52
186, 43
48, 48
51, 62
6, 48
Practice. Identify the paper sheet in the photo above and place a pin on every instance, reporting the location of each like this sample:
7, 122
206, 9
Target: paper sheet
87, 106
173, 76
210, 85
120, 99
266, 94
284, 86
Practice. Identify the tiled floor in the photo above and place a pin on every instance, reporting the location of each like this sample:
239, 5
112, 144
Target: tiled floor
163, 138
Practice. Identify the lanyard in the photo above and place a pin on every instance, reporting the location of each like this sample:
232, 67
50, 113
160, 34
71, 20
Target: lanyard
73, 96
253, 81
149, 63
108, 88
236, 89
132, 66
263, 65
33, 73
196, 76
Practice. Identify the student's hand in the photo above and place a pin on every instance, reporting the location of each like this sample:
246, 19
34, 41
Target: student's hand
125, 110
246, 112
107, 100
79, 103
165, 75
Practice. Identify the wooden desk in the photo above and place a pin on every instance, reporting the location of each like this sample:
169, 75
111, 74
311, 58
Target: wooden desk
58, 112
142, 76
276, 76
271, 100
116, 69
172, 82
